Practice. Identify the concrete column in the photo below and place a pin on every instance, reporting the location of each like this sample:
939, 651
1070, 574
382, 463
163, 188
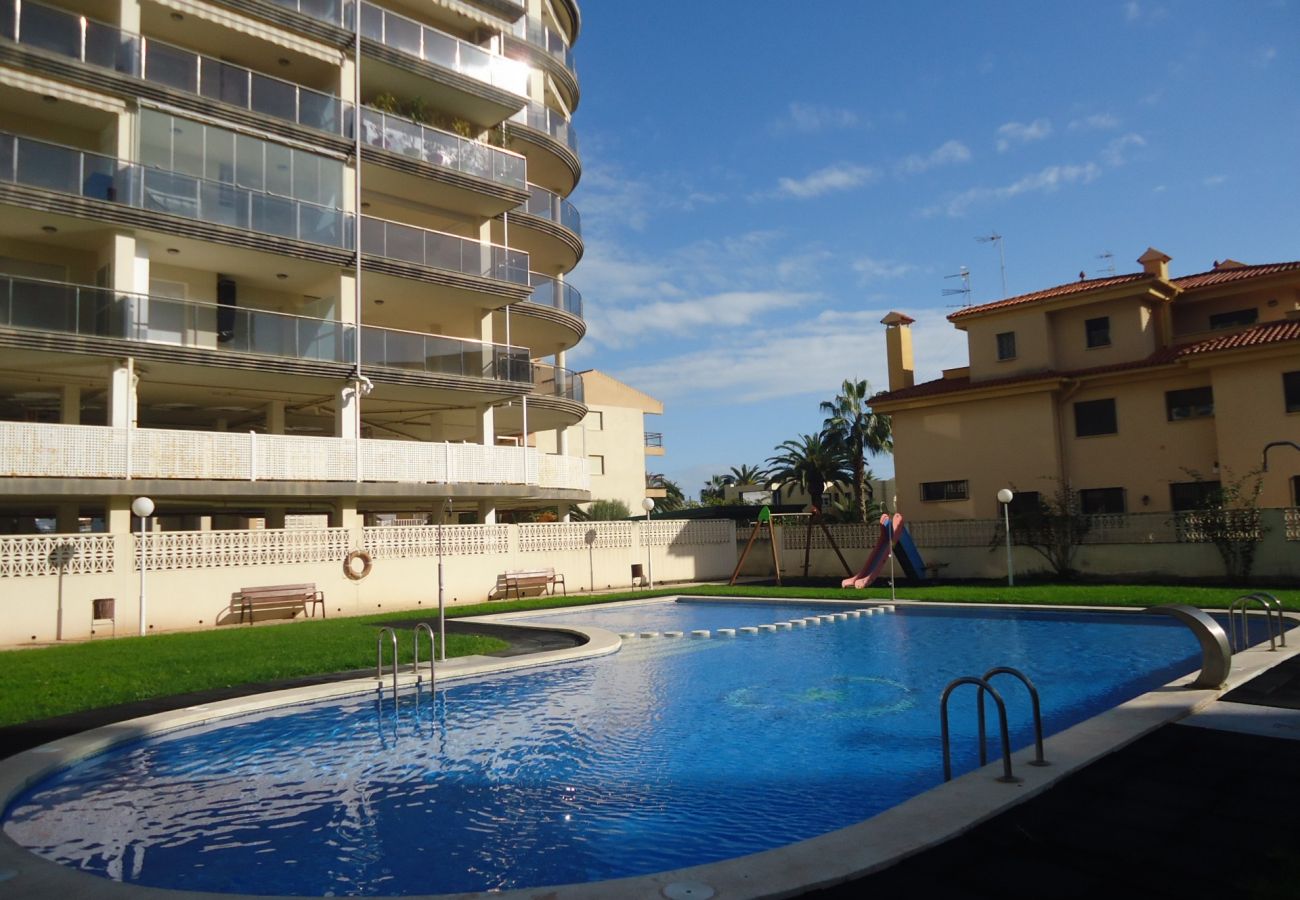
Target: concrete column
69, 517
275, 417
487, 512
486, 426
70, 405
117, 515
205, 523
437, 427
345, 515
128, 15
563, 511
346, 420
122, 384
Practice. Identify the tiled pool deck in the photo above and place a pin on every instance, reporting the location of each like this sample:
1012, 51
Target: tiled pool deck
1176, 810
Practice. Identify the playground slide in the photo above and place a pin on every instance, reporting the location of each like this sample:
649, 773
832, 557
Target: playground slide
878, 557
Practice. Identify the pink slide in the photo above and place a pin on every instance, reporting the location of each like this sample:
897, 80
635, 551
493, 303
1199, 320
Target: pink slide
879, 553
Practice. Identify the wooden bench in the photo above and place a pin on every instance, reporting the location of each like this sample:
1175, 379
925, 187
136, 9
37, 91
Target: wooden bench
527, 583
292, 597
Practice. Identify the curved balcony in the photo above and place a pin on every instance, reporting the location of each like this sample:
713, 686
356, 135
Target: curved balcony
437, 354
442, 148
437, 250
67, 170
412, 38
108, 47
555, 381
556, 294
548, 227
551, 206
549, 142
533, 42
63, 308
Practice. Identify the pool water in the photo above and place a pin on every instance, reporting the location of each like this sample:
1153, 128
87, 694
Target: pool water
669, 753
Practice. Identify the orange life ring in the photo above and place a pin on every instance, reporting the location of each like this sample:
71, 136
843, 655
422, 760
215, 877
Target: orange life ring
350, 571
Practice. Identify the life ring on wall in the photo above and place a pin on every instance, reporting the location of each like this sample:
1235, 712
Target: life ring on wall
351, 571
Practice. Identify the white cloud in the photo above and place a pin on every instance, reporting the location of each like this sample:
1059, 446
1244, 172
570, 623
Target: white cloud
807, 118
696, 315
1265, 56
1022, 133
1214, 180
612, 200
1132, 11
946, 154
1044, 181
869, 269
1114, 152
840, 177
1095, 122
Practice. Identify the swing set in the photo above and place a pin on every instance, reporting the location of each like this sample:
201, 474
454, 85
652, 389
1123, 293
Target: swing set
765, 518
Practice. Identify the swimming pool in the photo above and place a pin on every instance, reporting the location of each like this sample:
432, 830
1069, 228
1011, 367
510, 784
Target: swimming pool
670, 753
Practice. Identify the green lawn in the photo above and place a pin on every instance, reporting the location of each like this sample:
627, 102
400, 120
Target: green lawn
41, 682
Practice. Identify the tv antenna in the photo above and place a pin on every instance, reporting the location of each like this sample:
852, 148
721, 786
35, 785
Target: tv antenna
964, 275
1109, 267
994, 238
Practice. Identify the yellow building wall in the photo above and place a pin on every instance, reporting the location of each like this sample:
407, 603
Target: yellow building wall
1033, 345
989, 443
1132, 334
1250, 411
1192, 318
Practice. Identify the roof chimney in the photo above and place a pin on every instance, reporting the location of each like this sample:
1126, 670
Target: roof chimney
898, 350
1155, 263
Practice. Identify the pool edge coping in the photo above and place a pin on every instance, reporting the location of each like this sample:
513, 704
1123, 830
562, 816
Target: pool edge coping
927, 820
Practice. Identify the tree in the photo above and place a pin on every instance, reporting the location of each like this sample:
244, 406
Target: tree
858, 432
714, 491
605, 511
746, 474
1052, 528
673, 498
1228, 517
810, 461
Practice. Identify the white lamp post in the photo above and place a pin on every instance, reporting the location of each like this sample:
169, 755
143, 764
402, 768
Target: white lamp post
648, 504
1004, 497
442, 608
143, 509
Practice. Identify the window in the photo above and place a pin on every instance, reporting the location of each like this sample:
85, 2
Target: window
595, 420
1007, 345
1095, 417
1024, 503
1191, 494
944, 490
1097, 331
1192, 403
597, 464
1291, 388
1096, 501
1236, 317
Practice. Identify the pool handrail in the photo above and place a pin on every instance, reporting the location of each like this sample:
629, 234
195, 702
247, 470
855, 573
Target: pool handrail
1039, 759
1216, 652
1240, 606
379, 658
983, 686
433, 654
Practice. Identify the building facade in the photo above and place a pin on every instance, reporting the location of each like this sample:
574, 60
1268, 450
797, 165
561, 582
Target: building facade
1139, 391
616, 440
271, 258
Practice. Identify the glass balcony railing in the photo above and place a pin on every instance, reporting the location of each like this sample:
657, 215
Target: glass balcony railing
437, 354
553, 381
70, 171
545, 38
438, 250
548, 205
654, 439
108, 47
442, 148
543, 118
55, 306
335, 12
556, 294
442, 49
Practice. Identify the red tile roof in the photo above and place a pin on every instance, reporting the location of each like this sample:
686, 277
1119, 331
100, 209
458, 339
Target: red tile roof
1186, 283
1257, 335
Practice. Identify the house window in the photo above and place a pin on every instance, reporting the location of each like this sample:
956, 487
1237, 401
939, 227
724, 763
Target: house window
595, 420
597, 464
1236, 317
1187, 495
1097, 331
1095, 417
1007, 345
1291, 388
1192, 403
1024, 503
1097, 501
944, 490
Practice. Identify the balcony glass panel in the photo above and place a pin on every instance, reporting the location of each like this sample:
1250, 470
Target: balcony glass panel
274, 97
441, 355
171, 66
109, 48
553, 207
72, 171
555, 294
403, 34
442, 251
50, 29
542, 118
441, 148
221, 81
99, 312
317, 110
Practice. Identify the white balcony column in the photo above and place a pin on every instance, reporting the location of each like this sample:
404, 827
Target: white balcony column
437, 427
346, 421
117, 515
205, 523
68, 517
345, 515
487, 512
562, 433
70, 405
564, 511
128, 15
122, 386
275, 417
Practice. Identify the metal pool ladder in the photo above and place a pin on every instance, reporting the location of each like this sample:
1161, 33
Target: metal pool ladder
379, 657
1271, 607
433, 653
985, 687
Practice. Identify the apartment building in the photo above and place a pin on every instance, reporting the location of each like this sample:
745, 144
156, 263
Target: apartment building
617, 439
1140, 391
257, 261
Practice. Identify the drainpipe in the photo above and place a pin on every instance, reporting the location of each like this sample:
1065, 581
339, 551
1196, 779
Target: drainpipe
1071, 387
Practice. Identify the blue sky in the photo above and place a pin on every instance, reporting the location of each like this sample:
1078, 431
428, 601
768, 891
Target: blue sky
764, 181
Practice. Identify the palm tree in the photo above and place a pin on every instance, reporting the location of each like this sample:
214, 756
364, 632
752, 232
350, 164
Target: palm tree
673, 498
746, 474
714, 490
811, 461
857, 431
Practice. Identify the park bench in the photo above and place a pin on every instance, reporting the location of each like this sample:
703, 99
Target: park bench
527, 583
292, 597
